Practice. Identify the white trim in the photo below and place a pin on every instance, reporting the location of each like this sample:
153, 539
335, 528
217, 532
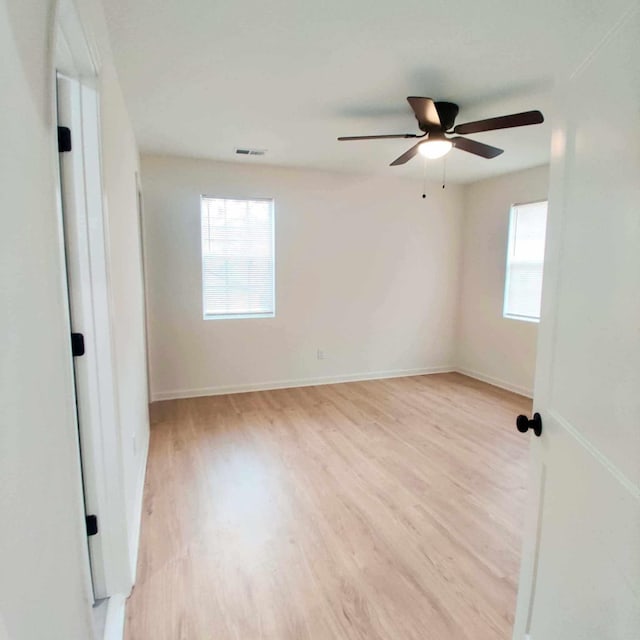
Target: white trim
513, 316
238, 316
134, 540
114, 623
80, 56
299, 382
496, 382
524, 204
143, 271
239, 199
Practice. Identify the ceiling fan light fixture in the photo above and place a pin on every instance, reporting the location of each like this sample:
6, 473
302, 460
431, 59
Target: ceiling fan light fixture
435, 148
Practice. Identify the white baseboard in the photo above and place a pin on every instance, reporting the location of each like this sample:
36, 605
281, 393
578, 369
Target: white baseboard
300, 382
134, 540
496, 382
114, 624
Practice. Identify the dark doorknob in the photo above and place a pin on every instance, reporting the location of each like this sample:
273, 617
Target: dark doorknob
524, 424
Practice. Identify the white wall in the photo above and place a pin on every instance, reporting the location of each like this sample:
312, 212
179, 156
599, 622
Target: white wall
120, 168
497, 349
43, 556
365, 269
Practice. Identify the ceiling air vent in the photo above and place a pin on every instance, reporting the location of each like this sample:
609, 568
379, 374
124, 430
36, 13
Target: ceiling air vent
250, 152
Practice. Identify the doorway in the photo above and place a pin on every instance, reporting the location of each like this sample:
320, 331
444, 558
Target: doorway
84, 226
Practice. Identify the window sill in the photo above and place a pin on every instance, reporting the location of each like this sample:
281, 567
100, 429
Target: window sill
237, 316
521, 318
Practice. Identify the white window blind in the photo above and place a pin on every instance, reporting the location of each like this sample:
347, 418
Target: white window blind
525, 258
237, 258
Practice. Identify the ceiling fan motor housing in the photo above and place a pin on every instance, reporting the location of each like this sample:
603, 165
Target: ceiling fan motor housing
447, 112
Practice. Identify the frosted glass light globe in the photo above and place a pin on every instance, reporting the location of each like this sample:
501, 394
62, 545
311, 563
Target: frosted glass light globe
435, 148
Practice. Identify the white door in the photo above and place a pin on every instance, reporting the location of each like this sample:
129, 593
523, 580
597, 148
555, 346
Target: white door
79, 286
84, 218
581, 565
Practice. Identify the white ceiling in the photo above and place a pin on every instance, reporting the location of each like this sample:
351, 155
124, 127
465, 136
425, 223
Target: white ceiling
202, 77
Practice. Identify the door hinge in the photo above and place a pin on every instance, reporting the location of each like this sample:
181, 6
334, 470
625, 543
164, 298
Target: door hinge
64, 139
77, 344
92, 525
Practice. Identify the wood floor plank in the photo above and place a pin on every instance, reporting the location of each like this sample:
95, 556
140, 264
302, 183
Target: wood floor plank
379, 510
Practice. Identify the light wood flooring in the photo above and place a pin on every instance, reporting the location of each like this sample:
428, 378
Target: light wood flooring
379, 510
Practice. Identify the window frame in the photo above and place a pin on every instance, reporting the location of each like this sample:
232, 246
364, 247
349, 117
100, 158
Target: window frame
241, 315
507, 278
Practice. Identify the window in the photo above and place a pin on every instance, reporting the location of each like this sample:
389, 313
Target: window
525, 257
237, 258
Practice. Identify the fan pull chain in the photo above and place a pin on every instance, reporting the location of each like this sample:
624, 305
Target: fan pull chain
424, 178
444, 172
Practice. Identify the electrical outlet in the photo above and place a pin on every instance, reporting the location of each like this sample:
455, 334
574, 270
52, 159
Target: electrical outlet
320, 354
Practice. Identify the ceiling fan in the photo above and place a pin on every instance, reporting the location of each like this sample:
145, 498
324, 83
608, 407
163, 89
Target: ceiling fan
435, 119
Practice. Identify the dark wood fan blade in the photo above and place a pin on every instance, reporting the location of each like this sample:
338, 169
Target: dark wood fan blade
426, 112
477, 148
392, 135
501, 122
406, 156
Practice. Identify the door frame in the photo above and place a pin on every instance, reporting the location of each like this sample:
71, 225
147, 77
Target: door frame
143, 272
73, 57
